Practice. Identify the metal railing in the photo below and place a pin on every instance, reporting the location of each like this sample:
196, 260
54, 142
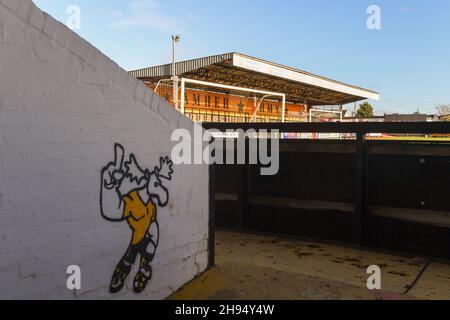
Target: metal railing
361, 156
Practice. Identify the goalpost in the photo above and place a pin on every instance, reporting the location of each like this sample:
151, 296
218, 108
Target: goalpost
257, 100
325, 115
329, 113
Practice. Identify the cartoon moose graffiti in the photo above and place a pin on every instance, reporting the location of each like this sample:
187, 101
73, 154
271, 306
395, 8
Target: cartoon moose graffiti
130, 193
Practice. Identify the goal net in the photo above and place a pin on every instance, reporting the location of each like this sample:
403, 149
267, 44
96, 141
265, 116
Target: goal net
325, 114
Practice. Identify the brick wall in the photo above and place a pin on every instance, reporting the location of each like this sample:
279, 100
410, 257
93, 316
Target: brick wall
63, 106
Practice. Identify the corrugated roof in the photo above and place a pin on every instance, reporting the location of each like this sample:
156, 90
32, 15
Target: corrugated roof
182, 67
245, 71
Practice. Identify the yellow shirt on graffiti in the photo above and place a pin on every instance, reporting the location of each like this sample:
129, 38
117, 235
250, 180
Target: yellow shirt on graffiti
139, 215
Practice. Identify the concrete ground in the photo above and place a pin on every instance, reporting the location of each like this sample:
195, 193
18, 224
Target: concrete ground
252, 267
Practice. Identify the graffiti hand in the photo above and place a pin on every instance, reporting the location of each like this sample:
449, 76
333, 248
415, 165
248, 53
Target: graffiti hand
111, 177
165, 168
113, 174
118, 175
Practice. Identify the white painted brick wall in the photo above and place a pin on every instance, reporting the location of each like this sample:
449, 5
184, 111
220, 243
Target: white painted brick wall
63, 105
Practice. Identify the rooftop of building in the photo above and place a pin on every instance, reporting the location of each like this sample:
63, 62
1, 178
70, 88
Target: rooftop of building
236, 69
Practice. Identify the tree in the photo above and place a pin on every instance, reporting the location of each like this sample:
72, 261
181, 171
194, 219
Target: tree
365, 110
443, 110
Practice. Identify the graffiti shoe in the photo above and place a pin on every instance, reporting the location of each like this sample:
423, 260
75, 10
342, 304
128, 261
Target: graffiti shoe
143, 276
120, 275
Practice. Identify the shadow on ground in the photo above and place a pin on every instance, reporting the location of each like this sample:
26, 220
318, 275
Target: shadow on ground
252, 267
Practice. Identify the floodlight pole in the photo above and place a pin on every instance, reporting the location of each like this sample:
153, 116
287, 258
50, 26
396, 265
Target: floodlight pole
175, 41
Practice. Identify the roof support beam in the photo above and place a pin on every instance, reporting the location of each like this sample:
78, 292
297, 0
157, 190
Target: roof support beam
226, 75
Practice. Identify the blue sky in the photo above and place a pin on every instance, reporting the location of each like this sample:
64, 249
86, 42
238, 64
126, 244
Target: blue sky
407, 61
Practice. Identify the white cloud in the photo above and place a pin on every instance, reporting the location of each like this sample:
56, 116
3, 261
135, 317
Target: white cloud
116, 14
144, 14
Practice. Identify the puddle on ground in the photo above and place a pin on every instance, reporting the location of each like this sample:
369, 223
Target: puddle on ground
397, 273
359, 266
347, 259
301, 254
337, 261
415, 264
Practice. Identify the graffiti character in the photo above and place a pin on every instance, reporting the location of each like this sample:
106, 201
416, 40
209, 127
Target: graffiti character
130, 193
